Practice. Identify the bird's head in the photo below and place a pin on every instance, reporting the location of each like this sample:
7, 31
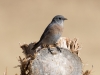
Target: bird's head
59, 19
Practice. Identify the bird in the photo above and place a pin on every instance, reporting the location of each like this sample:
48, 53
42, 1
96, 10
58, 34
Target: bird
52, 33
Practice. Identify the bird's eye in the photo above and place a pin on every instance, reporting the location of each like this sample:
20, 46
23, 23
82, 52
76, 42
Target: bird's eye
59, 18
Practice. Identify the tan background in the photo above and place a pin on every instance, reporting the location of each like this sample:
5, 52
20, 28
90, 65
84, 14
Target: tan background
24, 21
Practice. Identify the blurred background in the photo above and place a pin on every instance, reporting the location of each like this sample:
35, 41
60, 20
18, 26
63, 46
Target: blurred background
25, 20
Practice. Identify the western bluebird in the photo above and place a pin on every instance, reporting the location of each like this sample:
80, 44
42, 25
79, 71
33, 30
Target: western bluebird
52, 33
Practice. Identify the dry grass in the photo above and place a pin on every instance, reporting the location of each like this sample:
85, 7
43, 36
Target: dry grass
25, 63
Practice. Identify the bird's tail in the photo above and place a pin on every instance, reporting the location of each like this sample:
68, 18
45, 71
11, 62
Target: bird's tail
36, 45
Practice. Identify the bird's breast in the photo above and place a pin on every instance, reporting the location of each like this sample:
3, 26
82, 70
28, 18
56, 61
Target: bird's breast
57, 28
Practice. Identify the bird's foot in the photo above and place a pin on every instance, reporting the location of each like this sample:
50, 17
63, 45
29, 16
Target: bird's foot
49, 50
59, 49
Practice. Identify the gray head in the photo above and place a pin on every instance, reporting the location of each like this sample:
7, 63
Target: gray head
59, 19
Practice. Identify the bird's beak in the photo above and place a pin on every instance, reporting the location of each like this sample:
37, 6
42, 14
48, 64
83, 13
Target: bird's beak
65, 19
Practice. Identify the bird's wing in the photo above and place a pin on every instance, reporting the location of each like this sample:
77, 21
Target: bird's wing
46, 31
